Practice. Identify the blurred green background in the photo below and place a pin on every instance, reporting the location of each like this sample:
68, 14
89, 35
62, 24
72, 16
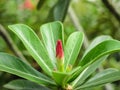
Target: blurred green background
94, 17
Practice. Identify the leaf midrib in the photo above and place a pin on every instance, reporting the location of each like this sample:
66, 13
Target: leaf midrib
107, 81
36, 54
75, 44
20, 72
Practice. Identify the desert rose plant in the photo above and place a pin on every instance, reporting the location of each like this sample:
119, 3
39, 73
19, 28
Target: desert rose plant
58, 60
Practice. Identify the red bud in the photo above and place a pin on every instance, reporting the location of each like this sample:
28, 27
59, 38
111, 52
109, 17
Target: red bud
59, 50
28, 5
60, 56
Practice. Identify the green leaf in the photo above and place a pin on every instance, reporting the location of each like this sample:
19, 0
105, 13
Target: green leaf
59, 77
22, 84
71, 76
33, 45
87, 72
60, 9
51, 32
94, 43
62, 78
17, 67
104, 48
97, 41
106, 76
40, 4
91, 68
72, 48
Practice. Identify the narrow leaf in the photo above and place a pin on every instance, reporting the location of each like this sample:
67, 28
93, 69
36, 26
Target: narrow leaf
106, 76
33, 45
62, 78
94, 43
72, 75
72, 48
60, 10
22, 84
17, 67
51, 32
87, 72
97, 41
40, 4
104, 48
59, 77
91, 68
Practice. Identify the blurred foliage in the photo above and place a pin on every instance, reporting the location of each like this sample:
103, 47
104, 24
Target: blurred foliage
95, 18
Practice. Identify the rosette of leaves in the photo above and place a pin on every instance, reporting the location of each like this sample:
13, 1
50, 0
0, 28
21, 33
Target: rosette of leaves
72, 76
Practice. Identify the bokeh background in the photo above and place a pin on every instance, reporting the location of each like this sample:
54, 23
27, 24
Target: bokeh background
93, 17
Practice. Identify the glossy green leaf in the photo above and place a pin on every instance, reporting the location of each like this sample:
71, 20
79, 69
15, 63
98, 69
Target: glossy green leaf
91, 68
62, 78
51, 32
72, 48
94, 43
60, 10
33, 45
21, 84
87, 72
97, 41
59, 77
105, 47
106, 76
71, 75
17, 67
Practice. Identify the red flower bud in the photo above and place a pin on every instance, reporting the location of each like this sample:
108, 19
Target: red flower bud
59, 50
28, 5
60, 56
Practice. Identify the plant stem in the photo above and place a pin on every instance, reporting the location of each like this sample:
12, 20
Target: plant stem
111, 9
